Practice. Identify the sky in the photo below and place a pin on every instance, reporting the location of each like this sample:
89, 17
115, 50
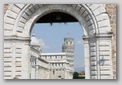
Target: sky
52, 38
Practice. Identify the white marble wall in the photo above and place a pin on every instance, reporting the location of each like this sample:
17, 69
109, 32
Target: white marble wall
16, 59
58, 65
18, 21
100, 58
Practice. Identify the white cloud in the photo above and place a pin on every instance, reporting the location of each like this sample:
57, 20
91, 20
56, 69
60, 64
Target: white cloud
43, 45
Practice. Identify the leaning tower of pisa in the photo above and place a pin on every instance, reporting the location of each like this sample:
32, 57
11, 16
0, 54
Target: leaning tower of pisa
68, 47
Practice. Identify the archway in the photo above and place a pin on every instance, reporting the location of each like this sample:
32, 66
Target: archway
53, 37
19, 20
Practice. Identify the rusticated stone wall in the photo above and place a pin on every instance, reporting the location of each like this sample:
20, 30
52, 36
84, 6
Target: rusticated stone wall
111, 10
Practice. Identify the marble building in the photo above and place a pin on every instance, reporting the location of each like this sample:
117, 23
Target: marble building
59, 67
51, 65
38, 66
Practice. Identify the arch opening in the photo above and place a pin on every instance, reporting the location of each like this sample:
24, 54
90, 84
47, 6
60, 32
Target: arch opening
53, 37
95, 25
58, 31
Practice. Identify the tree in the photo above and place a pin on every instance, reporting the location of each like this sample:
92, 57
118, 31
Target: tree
75, 75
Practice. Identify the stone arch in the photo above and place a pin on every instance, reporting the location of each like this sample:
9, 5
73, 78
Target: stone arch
93, 18
94, 14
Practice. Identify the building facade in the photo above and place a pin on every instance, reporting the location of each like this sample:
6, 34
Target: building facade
59, 67
38, 66
51, 65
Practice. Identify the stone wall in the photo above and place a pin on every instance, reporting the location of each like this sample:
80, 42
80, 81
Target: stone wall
111, 10
5, 7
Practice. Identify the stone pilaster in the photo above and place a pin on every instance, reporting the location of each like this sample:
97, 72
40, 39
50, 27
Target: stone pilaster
104, 56
16, 58
86, 57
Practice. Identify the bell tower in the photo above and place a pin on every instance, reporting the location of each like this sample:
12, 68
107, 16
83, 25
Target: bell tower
68, 47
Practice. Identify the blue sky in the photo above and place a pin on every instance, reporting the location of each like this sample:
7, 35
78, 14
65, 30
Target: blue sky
52, 38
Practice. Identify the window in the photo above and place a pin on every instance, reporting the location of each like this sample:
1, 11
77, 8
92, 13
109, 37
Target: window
53, 72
